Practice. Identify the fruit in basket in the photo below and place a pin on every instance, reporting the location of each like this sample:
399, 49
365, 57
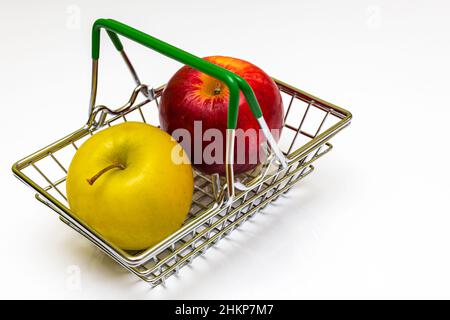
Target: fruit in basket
126, 184
195, 102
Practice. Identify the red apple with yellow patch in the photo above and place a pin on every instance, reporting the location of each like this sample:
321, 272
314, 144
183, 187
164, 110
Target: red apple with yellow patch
192, 96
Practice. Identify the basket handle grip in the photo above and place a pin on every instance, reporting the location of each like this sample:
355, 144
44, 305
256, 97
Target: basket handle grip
234, 82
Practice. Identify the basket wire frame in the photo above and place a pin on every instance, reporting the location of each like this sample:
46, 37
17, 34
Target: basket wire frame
309, 124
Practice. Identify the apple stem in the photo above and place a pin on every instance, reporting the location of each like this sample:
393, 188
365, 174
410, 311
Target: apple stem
217, 89
101, 172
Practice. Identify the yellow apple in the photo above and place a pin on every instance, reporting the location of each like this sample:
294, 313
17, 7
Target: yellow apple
124, 183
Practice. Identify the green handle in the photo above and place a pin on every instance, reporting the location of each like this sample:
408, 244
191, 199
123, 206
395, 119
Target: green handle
232, 80
115, 40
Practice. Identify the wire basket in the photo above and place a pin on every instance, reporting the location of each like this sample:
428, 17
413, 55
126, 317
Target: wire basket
216, 211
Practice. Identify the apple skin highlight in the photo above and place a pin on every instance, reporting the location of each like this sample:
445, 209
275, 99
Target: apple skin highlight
191, 96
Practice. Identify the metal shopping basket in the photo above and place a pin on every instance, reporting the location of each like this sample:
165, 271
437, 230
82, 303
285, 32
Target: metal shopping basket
220, 204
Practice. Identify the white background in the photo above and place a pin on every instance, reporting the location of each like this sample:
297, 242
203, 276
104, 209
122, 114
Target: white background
371, 222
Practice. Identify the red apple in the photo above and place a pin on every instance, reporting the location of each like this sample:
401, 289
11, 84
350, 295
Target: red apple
191, 95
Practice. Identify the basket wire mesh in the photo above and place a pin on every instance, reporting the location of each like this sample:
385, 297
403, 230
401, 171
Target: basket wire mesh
302, 141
